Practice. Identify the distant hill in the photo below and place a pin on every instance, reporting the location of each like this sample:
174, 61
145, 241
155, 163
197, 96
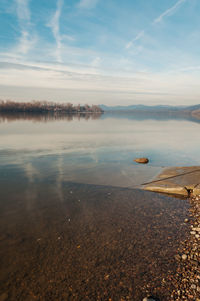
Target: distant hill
196, 113
149, 108
180, 110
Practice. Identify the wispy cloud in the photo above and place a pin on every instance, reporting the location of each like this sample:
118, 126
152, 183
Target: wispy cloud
190, 68
170, 11
96, 62
87, 4
23, 11
138, 36
27, 40
54, 24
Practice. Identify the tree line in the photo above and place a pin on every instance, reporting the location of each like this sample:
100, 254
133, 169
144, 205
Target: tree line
46, 107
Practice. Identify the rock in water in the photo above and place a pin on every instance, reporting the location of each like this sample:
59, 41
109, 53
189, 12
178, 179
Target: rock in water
142, 160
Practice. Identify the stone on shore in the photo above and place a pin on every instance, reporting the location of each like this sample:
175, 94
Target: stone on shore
186, 280
184, 256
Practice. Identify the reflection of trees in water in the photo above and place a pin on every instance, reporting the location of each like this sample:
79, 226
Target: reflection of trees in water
46, 117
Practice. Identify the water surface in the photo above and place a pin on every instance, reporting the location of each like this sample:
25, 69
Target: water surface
97, 151
72, 226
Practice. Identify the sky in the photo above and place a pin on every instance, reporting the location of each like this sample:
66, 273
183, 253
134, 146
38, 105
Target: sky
109, 52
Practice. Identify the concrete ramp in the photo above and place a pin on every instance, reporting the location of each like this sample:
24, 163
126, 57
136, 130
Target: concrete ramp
182, 181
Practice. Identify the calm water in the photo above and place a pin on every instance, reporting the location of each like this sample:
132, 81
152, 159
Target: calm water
96, 151
73, 226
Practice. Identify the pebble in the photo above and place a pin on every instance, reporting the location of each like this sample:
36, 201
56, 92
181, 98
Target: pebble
184, 256
196, 229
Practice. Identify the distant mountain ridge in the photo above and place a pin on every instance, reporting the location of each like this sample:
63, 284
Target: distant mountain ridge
184, 111
150, 108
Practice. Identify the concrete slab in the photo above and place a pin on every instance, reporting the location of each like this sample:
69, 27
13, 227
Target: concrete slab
184, 181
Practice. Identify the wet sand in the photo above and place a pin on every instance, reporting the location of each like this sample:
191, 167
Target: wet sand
93, 243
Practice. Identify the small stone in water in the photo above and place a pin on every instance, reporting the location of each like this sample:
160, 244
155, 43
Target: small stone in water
142, 160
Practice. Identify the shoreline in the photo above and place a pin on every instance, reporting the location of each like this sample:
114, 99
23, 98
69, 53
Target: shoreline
187, 278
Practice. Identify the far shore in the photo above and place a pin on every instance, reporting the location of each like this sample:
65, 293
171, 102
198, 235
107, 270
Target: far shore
47, 107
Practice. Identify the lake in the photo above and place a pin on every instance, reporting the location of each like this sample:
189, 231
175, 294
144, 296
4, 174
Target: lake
75, 223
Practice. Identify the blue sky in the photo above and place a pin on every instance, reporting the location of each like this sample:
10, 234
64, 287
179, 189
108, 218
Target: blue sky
101, 51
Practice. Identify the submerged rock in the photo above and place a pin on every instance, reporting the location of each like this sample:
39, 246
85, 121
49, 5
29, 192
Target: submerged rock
180, 181
142, 160
167, 187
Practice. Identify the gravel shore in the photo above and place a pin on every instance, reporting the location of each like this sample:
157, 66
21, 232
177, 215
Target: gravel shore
187, 278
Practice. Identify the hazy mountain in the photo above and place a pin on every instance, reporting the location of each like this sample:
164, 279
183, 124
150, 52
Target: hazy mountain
150, 108
160, 111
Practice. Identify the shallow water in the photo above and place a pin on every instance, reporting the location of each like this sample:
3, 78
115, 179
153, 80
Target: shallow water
72, 227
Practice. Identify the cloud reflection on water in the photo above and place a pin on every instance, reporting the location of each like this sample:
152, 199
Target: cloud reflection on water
98, 151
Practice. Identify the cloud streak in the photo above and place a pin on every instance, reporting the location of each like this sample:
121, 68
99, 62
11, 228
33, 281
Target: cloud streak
23, 12
87, 4
26, 40
138, 36
170, 11
54, 24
